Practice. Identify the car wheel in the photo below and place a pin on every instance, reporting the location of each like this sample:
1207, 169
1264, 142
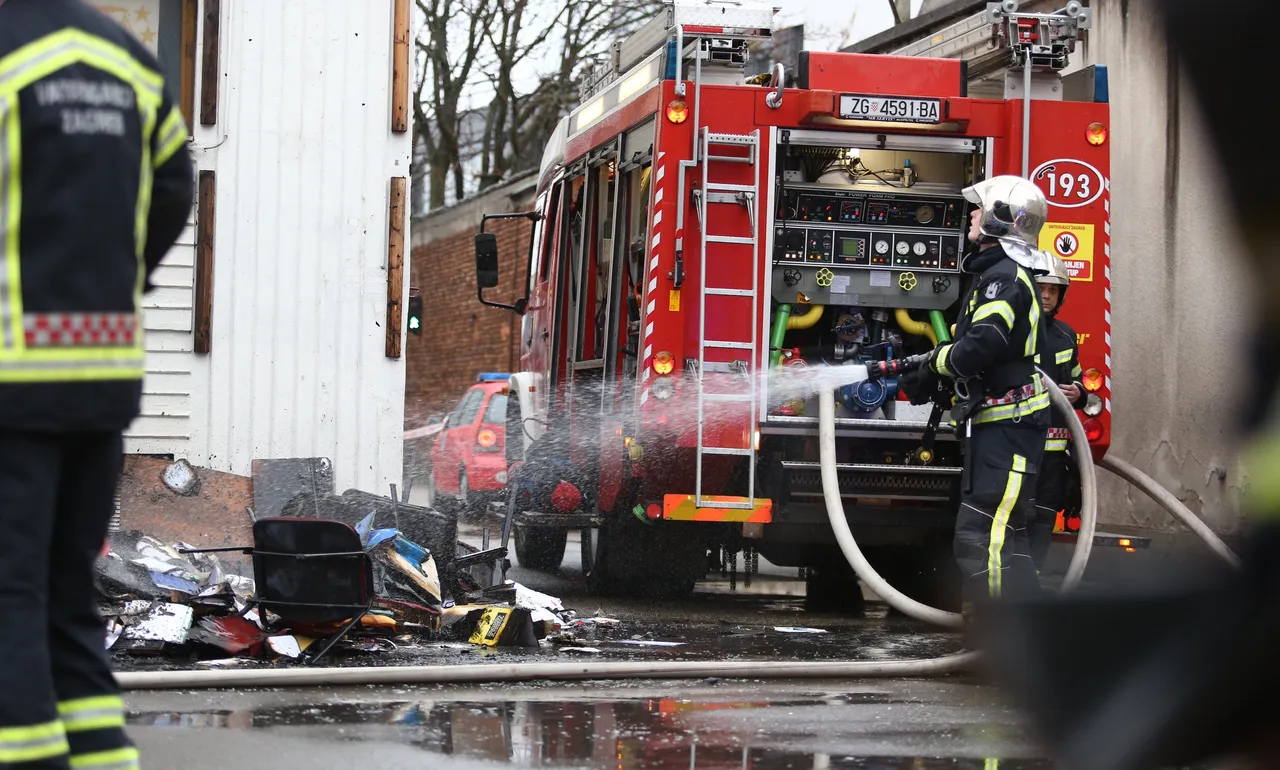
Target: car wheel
541, 549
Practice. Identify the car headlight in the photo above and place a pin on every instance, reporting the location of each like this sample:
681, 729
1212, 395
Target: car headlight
1093, 405
663, 388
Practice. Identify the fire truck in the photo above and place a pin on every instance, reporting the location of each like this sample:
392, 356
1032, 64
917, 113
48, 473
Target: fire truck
707, 245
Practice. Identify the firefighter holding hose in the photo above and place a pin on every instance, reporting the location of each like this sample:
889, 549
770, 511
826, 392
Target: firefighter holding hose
1002, 408
1060, 358
95, 185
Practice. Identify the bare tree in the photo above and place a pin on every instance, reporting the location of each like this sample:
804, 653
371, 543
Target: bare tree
462, 42
448, 46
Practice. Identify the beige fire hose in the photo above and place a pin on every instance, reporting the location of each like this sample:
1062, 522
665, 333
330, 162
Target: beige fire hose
892, 596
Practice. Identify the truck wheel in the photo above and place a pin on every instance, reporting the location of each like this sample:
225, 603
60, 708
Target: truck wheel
831, 586
541, 549
624, 557
652, 560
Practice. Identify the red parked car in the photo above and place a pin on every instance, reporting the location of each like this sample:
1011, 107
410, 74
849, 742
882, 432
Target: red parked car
468, 461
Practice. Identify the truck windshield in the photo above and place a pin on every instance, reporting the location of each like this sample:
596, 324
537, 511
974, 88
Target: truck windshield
496, 414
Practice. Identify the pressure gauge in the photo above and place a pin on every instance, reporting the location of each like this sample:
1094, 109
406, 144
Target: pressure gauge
924, 215
882, 247
903, 247
920, 248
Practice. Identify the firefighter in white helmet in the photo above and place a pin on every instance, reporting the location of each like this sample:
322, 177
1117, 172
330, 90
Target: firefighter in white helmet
1059, 358
1002, 409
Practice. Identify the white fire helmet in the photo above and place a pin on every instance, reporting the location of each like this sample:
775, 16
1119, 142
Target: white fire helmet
1013, 211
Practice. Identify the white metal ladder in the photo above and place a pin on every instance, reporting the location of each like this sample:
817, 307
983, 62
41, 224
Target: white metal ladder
716, 193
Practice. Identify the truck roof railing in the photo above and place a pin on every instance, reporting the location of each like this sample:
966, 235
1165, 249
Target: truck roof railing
1000, 37
681, 20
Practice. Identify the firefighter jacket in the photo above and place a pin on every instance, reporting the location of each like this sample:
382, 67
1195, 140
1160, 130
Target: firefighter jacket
996, 340
95, 185
1059, 358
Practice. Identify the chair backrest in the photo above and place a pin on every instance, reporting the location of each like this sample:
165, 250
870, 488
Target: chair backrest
310, 570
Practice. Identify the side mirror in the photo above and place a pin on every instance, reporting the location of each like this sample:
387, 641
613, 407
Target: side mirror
486, 260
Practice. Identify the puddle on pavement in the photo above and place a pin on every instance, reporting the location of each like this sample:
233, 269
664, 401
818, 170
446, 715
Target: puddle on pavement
642, 734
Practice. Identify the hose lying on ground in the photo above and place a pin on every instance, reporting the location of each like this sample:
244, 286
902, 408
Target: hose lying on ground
1171, 504
402, 675
892, 596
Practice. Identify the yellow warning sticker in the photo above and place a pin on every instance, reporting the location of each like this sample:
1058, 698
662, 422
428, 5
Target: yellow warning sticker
1073, 244
673, 301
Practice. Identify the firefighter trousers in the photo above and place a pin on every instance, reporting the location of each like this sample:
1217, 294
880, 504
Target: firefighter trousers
996, 502
59, 704
1051, 496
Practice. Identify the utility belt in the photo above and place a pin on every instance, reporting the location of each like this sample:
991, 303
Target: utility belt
972, 400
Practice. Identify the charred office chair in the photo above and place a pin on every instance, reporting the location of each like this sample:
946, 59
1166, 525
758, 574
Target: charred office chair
310, 572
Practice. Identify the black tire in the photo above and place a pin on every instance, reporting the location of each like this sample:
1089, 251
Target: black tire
627, 557
926, 573
832, 586
541, 549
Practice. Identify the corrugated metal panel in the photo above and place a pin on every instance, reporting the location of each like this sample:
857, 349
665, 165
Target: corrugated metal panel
303, 153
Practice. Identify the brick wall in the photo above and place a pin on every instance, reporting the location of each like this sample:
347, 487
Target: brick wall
460, 337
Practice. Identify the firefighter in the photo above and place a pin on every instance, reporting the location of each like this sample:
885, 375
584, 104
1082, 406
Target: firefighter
1059, 358
1002, 408
95, 185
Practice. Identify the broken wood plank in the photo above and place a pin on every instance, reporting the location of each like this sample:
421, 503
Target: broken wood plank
205, 202
209, 73
187, 92
395, 267
400, 71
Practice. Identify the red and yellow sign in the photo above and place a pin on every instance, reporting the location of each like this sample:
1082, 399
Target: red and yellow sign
1073, 244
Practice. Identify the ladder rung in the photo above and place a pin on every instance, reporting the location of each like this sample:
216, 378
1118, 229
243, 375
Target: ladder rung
715, 292
736, 239
744, 139
731, 159
728, 345
732, 398
724, 450
732, 188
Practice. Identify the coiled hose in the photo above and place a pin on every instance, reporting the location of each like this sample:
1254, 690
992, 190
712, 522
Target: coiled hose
892, 596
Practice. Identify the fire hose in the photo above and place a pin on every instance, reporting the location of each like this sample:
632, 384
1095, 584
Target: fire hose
872, 579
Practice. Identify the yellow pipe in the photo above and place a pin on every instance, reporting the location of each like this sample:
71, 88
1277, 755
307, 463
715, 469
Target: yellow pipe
912, 326
807, 320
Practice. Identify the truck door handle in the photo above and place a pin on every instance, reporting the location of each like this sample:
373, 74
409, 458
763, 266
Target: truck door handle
545, 334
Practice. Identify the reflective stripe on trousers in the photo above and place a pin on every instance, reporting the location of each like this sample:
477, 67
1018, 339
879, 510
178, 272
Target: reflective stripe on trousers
117, 759
1000, 524
32, 743
96, 713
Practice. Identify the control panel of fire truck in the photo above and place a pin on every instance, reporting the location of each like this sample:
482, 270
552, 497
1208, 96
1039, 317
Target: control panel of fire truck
880, 247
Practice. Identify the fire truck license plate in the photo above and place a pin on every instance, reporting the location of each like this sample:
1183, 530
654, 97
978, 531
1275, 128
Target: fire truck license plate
890, 108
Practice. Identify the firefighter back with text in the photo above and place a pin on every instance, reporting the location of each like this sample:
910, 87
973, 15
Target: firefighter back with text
95, 186
1059, 357
1002, 408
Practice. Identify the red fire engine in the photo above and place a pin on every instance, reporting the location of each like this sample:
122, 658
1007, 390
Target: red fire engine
701, 234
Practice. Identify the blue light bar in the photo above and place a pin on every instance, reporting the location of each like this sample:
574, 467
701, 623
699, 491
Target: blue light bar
493, 377
1101, 86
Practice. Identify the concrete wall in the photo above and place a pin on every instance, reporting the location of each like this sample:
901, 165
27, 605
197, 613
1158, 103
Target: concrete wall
1180, 298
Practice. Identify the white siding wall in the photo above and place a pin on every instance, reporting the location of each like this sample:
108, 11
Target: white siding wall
164, 426
303, 155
